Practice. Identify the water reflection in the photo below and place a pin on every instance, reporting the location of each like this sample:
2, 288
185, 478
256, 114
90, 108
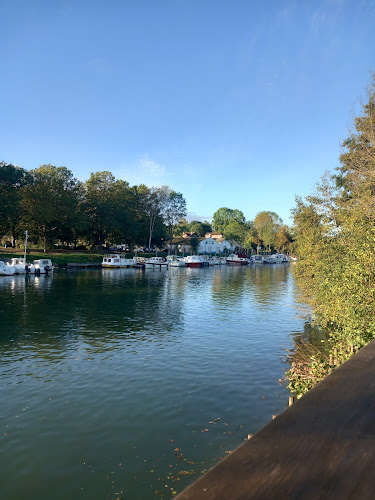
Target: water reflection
124, 366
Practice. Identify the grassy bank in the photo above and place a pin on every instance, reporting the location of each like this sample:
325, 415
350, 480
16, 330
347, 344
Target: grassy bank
63, 257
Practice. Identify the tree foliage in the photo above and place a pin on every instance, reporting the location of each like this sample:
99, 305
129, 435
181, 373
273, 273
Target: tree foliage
335, 235
50, 202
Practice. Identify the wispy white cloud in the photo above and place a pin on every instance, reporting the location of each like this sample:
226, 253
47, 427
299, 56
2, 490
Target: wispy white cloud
194, 216
144, 171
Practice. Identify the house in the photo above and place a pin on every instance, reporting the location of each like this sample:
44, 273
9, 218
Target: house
212, 243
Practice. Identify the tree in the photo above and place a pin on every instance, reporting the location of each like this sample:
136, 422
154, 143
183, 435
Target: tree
100, 206
235, 231
223, 216
283, 239
335, 272
12, 181
50, 202
173, 210
153, 201
267, 225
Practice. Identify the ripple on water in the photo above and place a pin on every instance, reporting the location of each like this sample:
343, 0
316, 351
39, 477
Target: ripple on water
101, 368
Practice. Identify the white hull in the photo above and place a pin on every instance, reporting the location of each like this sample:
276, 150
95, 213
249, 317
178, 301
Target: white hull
21, 266
151, 265
235, 260
6, 270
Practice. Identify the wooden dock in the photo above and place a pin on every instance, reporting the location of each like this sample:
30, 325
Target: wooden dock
321, 447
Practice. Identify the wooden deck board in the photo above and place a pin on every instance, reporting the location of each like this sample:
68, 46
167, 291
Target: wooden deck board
321, 447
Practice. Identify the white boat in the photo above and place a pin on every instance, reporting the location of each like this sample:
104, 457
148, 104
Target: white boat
116, 261
22, 266
43, 266
222, 261
6, 269
195, 261
156, 263
257, 259
276, 258
213, 261
174, 261
235, 259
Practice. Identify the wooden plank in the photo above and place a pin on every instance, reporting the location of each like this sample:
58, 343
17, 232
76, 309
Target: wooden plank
323, 446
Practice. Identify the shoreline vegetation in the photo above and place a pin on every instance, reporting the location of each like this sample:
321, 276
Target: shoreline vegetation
334, 230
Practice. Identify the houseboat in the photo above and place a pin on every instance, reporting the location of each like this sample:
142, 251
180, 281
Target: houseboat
116, 261
43, 266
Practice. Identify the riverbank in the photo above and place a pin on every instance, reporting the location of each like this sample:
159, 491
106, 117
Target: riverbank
62, 258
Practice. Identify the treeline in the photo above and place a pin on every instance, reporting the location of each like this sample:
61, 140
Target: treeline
266, 231
335, 235
56, 207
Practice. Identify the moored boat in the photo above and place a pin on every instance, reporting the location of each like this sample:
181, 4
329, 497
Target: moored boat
195, 261
174, 261
257, 259
276, 258
21, 266
116, 261
156, 263
6, 269
236, 259
43, 266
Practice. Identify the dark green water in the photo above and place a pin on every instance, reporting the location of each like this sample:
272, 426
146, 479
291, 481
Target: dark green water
128, 383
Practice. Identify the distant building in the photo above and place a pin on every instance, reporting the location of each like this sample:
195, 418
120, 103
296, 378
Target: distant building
212, 243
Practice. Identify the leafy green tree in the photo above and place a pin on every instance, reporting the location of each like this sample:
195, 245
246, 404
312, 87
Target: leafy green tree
195, 226
223, 216
12, 181
173, 210
267, 225
181, 227
50, 202
153, 201
283, 239
335, 272
235, 231
100, 208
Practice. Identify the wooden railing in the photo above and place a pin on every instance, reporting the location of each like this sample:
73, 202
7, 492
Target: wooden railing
321, 447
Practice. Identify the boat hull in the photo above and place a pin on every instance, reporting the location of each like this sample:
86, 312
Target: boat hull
148, 265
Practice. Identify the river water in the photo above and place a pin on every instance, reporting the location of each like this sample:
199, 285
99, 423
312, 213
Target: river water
129, 384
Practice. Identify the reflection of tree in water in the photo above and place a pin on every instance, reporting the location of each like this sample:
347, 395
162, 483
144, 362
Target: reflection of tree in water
227, 285
268, 281
97, 309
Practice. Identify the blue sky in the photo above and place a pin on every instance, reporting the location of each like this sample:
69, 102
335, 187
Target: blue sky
236, 103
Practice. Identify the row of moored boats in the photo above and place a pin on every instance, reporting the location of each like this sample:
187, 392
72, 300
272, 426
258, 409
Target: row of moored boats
120, 261
18, 265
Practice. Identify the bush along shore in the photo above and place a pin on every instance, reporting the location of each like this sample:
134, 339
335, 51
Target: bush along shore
335, 272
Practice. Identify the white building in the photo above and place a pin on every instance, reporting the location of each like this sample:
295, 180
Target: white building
212, 243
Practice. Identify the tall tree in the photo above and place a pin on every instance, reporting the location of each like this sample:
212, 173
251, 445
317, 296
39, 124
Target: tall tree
223, 216
12, 181
267, 225
173, 210
153, 201
335, 272
100, 208
50, 202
